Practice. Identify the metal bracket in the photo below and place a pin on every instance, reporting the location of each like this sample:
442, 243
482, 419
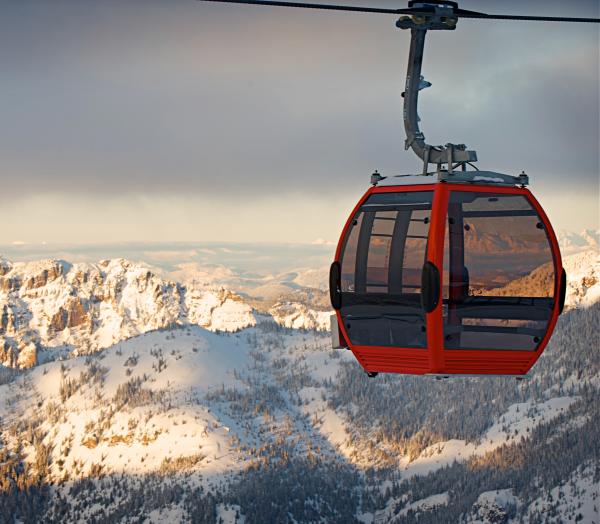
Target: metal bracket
376, 178
434, 14
426, 159
483, 177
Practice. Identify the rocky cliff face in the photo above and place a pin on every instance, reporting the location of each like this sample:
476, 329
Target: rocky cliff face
51, 305
298, 316
81, 308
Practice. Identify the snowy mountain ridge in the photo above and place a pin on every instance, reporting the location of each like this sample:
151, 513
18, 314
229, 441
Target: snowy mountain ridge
54, 306
189, 401
586, 240
583, 278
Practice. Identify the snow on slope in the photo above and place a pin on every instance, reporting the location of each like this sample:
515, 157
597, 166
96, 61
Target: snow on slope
169, 401
516, 423
493, 506
205, 405
575, 500
396, 509
583, 278
298, 316
218, 310
135, 408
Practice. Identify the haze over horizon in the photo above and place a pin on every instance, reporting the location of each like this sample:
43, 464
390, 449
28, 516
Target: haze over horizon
188, 121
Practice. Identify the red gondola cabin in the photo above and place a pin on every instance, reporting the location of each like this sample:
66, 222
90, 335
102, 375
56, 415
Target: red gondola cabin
446, 279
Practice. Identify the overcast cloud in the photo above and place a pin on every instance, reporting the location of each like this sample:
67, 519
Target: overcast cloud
187, 100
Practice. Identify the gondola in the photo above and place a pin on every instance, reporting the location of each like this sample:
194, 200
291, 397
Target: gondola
457, 273
447, 278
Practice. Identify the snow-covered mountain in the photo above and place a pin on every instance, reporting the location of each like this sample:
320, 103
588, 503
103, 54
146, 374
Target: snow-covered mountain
586, 240
52, 306
81, 308
201, 407
298, 316
185, 424
583, 278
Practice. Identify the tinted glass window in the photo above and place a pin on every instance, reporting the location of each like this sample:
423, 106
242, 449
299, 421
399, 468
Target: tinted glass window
382, 260
380, 246
349, 255
498, 273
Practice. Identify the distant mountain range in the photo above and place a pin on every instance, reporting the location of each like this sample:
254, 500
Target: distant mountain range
586, 240
51, 307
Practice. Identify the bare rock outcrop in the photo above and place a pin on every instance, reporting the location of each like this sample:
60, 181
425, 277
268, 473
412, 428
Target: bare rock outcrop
48, 270
71, 315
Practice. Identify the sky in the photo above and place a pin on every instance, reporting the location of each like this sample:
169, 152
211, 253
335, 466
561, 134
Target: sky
182, 121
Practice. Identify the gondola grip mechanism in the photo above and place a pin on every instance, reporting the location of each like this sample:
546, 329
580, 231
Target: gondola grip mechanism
437, 15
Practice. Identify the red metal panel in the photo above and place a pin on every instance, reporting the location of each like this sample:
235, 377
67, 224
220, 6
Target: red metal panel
392, 360
486, 362
435, 254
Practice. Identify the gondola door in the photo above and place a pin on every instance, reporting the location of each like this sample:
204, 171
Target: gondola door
501, 291
381, 256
